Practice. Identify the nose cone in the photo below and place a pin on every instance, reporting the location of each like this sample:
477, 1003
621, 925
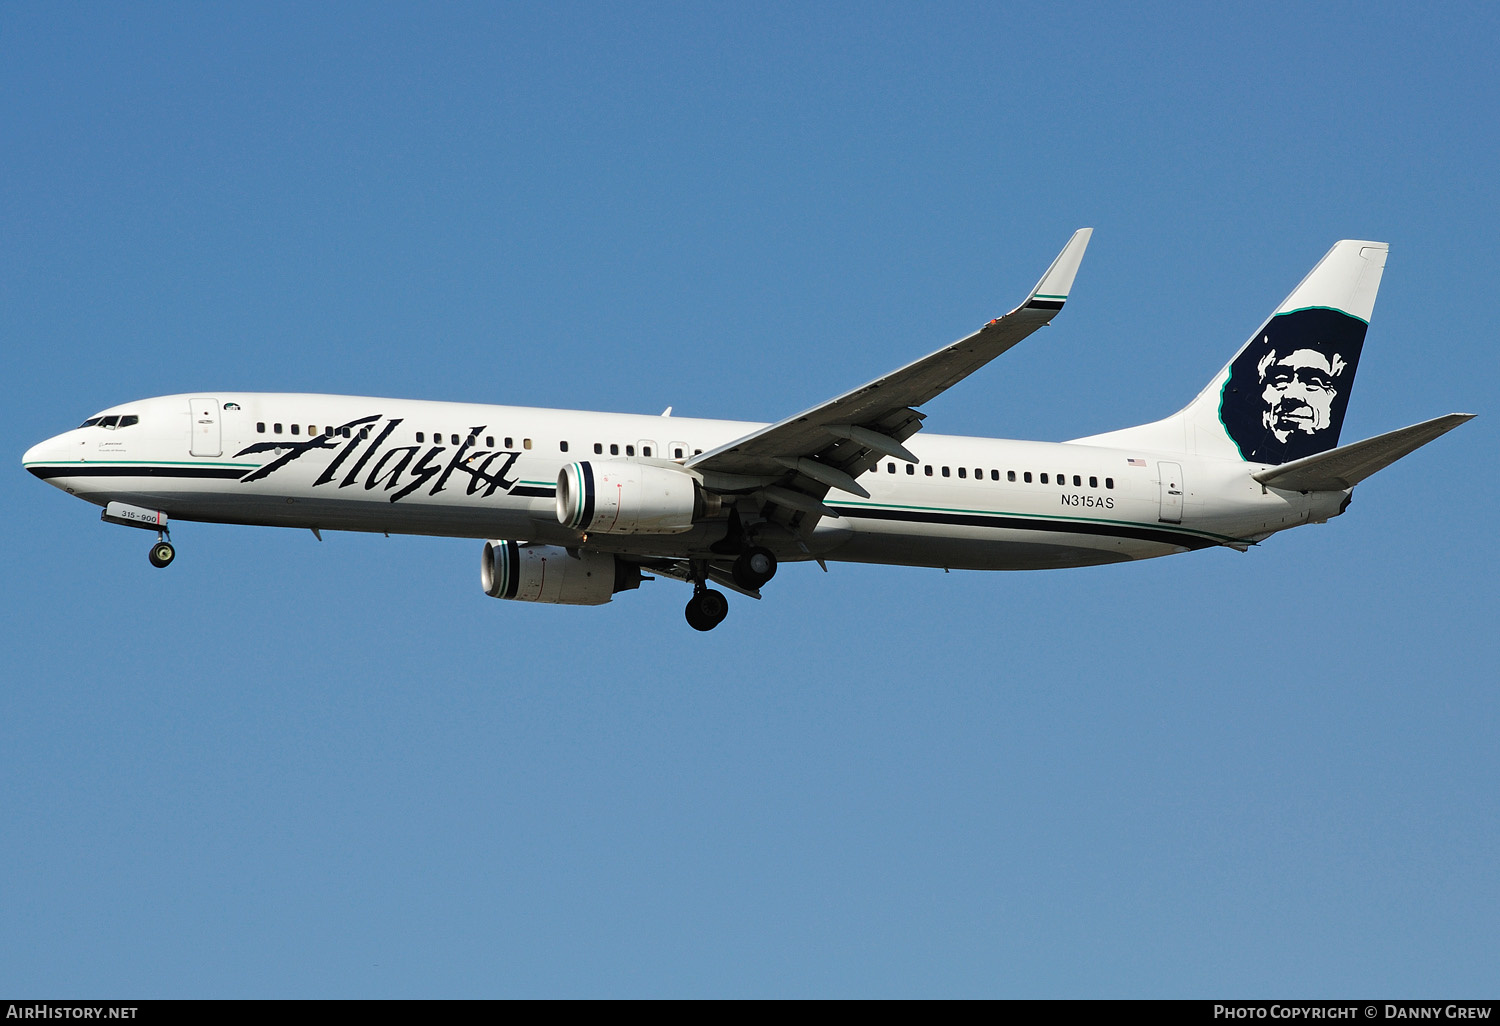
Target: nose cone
40, 455
33, 456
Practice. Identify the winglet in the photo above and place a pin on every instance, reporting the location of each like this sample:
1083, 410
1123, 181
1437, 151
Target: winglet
1052, 290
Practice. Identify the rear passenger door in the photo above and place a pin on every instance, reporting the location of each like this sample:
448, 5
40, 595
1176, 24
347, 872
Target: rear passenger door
1170, 477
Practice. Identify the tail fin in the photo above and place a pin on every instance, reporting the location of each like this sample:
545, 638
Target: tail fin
1284, 394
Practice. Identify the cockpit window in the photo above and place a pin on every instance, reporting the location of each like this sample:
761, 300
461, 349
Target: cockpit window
113, 421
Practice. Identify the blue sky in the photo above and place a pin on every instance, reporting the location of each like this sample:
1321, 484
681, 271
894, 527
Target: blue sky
291, 769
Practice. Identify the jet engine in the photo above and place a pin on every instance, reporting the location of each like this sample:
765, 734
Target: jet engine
625, 497
549, 573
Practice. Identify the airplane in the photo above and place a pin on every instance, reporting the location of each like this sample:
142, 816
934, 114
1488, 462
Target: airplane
575, 507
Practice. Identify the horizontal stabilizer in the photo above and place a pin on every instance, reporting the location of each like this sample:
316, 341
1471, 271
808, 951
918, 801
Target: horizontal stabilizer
1348, 465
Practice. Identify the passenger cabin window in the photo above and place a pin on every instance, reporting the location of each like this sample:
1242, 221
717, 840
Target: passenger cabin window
1077, 481
945, 471
260, 427
489, 441
453, 439
598, 449
1093, 482
1044, 478
526, 443
1109, 482
1026, 477
421, 437
676, 453
562, 446
276, 428
296, 429
645, 450
963, 472
1010, 475
911, 468
614, 448
927, 470
509, 444
890, 468
994, 475
630, 450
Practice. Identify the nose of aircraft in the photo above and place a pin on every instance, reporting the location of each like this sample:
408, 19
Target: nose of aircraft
40, 453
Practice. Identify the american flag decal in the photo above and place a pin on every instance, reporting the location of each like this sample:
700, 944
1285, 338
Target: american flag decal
1135, 462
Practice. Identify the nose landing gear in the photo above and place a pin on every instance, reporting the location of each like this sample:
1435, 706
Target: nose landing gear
162, 553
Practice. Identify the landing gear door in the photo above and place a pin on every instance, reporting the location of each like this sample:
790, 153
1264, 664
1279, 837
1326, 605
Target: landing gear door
1171, 492
207, 436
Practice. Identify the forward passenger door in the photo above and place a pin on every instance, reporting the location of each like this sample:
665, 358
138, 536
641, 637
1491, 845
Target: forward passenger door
206, 438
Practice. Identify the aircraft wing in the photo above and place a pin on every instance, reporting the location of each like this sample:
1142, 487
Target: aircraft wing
796, 461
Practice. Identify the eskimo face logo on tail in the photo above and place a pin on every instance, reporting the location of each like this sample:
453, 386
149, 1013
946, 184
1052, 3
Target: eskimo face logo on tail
397, 469
1288, 390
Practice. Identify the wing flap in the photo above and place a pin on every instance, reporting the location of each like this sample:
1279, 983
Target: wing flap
1348, 465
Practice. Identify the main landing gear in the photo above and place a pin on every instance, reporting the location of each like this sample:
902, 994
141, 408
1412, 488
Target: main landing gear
754, 568
707, 608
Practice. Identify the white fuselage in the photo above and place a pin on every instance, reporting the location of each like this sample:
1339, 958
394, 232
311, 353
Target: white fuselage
417, 467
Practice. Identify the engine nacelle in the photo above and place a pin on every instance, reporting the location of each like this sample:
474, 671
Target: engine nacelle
625, 497
549, 573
